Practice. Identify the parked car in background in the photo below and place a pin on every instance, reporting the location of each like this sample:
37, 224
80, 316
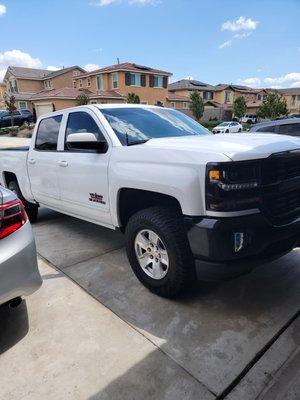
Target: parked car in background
27, 114
287, 126
228, 127
249, 119
19, 274
19, 118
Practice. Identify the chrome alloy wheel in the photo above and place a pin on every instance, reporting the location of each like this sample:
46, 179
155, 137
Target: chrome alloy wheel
151, 254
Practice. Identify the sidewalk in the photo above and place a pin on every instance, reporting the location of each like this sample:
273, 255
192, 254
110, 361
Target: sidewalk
77, 349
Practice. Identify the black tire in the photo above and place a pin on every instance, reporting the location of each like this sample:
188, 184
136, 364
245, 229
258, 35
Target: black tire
227, 131
169, 226
240, 130
30, 208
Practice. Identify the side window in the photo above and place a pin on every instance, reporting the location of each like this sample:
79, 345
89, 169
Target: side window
47, 134
79, 122
269, 129
290, 129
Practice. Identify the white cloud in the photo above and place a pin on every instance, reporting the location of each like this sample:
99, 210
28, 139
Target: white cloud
19, 59
242, 35
2, 9
52, 68
228, 43
291, 79
241, 24
252, 82
102, 3
91, 67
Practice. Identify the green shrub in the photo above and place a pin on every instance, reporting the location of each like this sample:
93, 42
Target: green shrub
210, 124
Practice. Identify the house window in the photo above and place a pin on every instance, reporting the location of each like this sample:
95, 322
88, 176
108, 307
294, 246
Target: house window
259, 97
13, 86
88, 82
158, 81
135, 79
227, 97
74, 84
76, 73
23, 105
293, 100
173, 104
100, 85
298, 98
115, 80
47, 84
208, 95
184, 105
80, 83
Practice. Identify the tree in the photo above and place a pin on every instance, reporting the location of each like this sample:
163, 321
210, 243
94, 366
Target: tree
239, 107
197, 105
82, 99
133, 98
273, 106
10, 102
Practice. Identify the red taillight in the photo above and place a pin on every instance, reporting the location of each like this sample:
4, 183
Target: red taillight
12, 217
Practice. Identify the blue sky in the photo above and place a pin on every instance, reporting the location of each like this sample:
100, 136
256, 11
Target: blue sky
215, 41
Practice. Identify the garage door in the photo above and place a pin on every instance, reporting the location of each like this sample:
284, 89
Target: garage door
43, 108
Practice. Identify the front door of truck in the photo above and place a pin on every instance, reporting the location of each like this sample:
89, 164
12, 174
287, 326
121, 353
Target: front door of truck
83, 173
42, 161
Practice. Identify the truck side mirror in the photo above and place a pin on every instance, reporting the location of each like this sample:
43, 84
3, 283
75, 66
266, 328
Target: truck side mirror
86, 141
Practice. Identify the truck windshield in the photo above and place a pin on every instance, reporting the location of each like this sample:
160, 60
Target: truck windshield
134, 125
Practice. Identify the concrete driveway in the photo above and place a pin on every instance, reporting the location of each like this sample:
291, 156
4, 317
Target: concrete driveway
237, 339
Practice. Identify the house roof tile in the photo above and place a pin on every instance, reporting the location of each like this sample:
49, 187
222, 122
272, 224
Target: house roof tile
125, 67
39, 74
71, 93
190, 84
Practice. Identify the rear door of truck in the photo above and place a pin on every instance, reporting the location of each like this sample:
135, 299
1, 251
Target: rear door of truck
43, 161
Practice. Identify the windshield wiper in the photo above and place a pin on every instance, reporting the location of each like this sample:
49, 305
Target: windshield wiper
137, 142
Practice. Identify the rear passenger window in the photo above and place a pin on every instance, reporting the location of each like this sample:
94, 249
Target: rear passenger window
47, 134
80, 122
290, 129
270, 129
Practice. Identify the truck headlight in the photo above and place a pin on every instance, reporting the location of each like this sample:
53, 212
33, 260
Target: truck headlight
233, 186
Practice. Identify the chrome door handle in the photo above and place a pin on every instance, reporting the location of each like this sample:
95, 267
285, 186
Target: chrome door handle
31, 161
63, 163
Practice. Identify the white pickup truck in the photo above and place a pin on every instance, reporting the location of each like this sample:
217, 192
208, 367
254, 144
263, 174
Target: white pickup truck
183, 197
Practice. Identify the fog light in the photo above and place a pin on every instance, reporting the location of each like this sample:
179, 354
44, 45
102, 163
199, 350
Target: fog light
239, 241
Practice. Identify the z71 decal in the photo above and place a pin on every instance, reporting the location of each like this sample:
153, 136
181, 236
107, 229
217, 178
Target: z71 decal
96, 198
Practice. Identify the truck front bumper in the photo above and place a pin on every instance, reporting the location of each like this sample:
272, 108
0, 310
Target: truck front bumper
226, 247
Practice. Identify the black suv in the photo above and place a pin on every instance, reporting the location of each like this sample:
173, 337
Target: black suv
286, 126
19, 117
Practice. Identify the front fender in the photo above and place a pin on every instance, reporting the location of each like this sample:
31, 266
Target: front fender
179, 181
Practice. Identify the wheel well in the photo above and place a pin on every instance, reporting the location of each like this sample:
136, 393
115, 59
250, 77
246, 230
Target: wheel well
134, 200
9, 177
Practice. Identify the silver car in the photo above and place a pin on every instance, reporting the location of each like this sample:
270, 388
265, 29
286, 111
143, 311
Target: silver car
19, 274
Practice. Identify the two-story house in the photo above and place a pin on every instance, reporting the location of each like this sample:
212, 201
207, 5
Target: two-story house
226, 94
213, 108
185, 87
292, 97
151, 85
24, 83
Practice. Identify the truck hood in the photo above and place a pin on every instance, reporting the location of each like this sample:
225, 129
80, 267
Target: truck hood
238, 146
